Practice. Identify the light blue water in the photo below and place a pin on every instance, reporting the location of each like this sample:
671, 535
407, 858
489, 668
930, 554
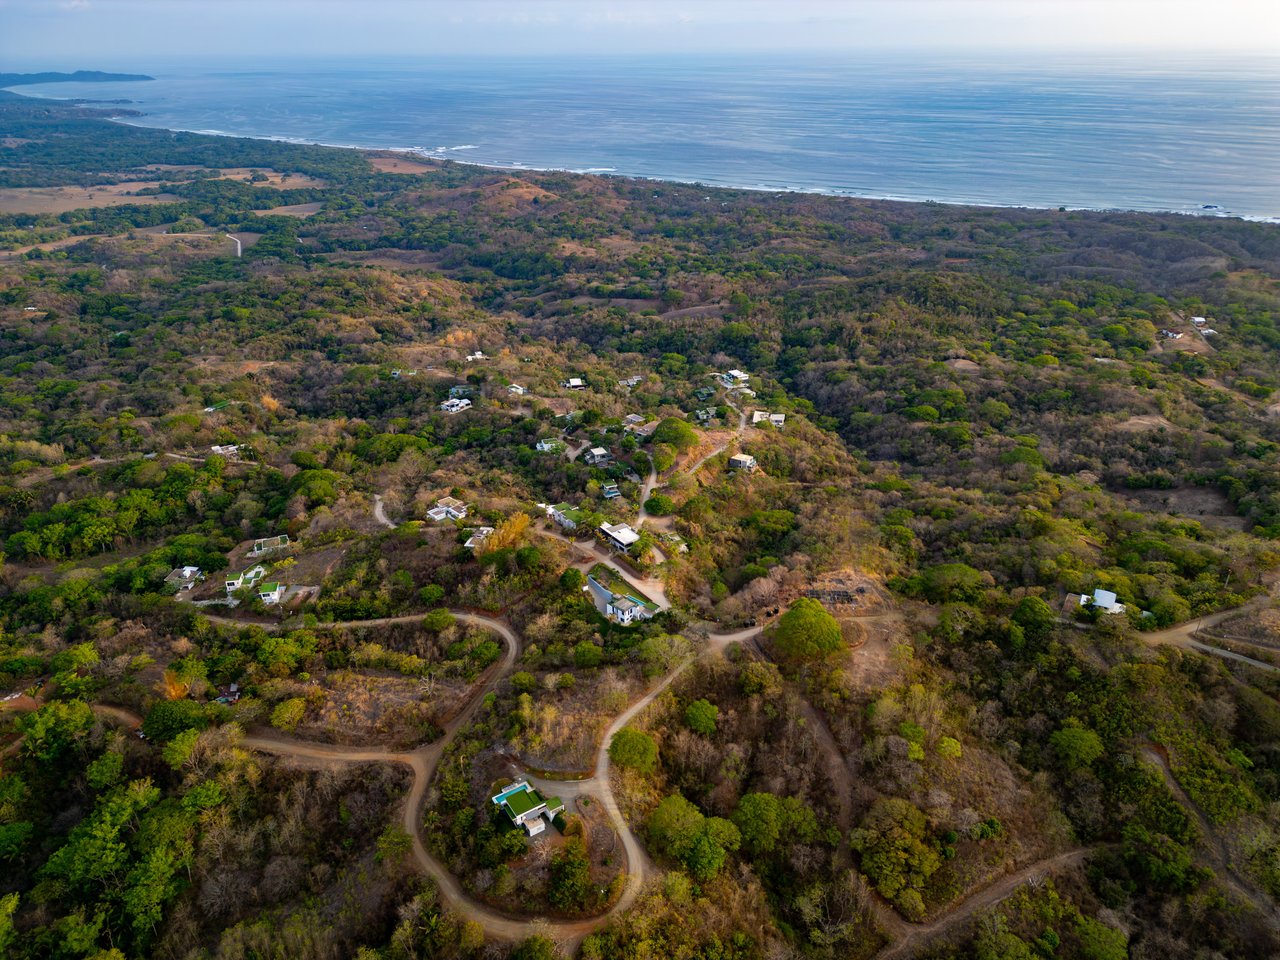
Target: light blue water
1150, 134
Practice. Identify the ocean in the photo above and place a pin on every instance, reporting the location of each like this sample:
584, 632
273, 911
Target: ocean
1197, 135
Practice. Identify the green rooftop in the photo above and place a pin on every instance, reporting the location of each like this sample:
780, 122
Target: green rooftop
269, 588
522, 801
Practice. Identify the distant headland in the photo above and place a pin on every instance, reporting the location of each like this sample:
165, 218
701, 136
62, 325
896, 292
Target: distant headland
80, 76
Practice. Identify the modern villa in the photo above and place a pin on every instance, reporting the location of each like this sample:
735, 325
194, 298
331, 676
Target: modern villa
526, 808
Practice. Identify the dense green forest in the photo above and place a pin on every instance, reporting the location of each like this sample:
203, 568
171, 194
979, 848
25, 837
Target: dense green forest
971, 652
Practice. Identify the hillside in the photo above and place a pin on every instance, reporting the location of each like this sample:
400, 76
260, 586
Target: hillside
863, 579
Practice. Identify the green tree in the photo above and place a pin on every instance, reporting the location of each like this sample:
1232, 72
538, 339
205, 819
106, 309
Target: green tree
537, 948
1036, 619
896, 853
55, 728
700, 716
634, 749
1076, 746
570, 876
288, 714
807, 632
676, 433
759, 821
168, 718
586, 655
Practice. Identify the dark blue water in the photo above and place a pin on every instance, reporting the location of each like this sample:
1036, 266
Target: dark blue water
1150, 134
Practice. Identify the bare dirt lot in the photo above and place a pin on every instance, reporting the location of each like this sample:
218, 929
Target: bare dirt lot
292, 210
55, 200
392, 164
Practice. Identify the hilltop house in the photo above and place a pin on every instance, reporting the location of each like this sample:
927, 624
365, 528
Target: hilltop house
630, 382
455, 405
764, 416
632, 419
1199, 321
246, 578
550, 445
229, 450
742, 461
566, 516
735, 378
271, 593
477, 356
184, 578
597, 456
704, 414
269, 545
525, 807
1104, 600
516, 390
610, 490
448, 508
620, 536
574, 383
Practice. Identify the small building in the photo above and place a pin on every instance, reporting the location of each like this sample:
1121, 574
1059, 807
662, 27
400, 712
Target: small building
516, 390
269, 545
641, 429
742, 461
631, 382
476, 357
705, 414
1171, 334
1104, 600
455, 405
550, 445
525, 807
184, 578
448, 508
460, 390
246, 578
229, 450
625, 610
619, 535
566, 516
610, 490
759, 416
478, 536
632, 419
735, 378
1199, 321
597, 457
1207, 332
575, 383
704, 394
271, 593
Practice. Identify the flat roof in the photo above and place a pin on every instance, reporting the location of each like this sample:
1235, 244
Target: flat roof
520, 802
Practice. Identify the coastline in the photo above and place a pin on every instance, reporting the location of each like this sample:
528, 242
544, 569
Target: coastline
445, 154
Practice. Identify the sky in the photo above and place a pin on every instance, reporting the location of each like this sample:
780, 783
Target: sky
70, 34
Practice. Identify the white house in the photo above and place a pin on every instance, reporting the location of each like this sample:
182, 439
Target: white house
632, 419
575, 383
477, 356
566, 516
271, 593
610, 491
184, 578
735, 378
526, 808
229, 450
550, 445
448, 508
246, 578
1206, 332
625, 610
456, 405
1104, 600
619, 535
597, 456
630, 382
478, 536
742, 461
516, 390
1199, 321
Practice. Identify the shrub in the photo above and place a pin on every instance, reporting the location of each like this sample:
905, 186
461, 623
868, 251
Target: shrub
700, 717
288, 714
